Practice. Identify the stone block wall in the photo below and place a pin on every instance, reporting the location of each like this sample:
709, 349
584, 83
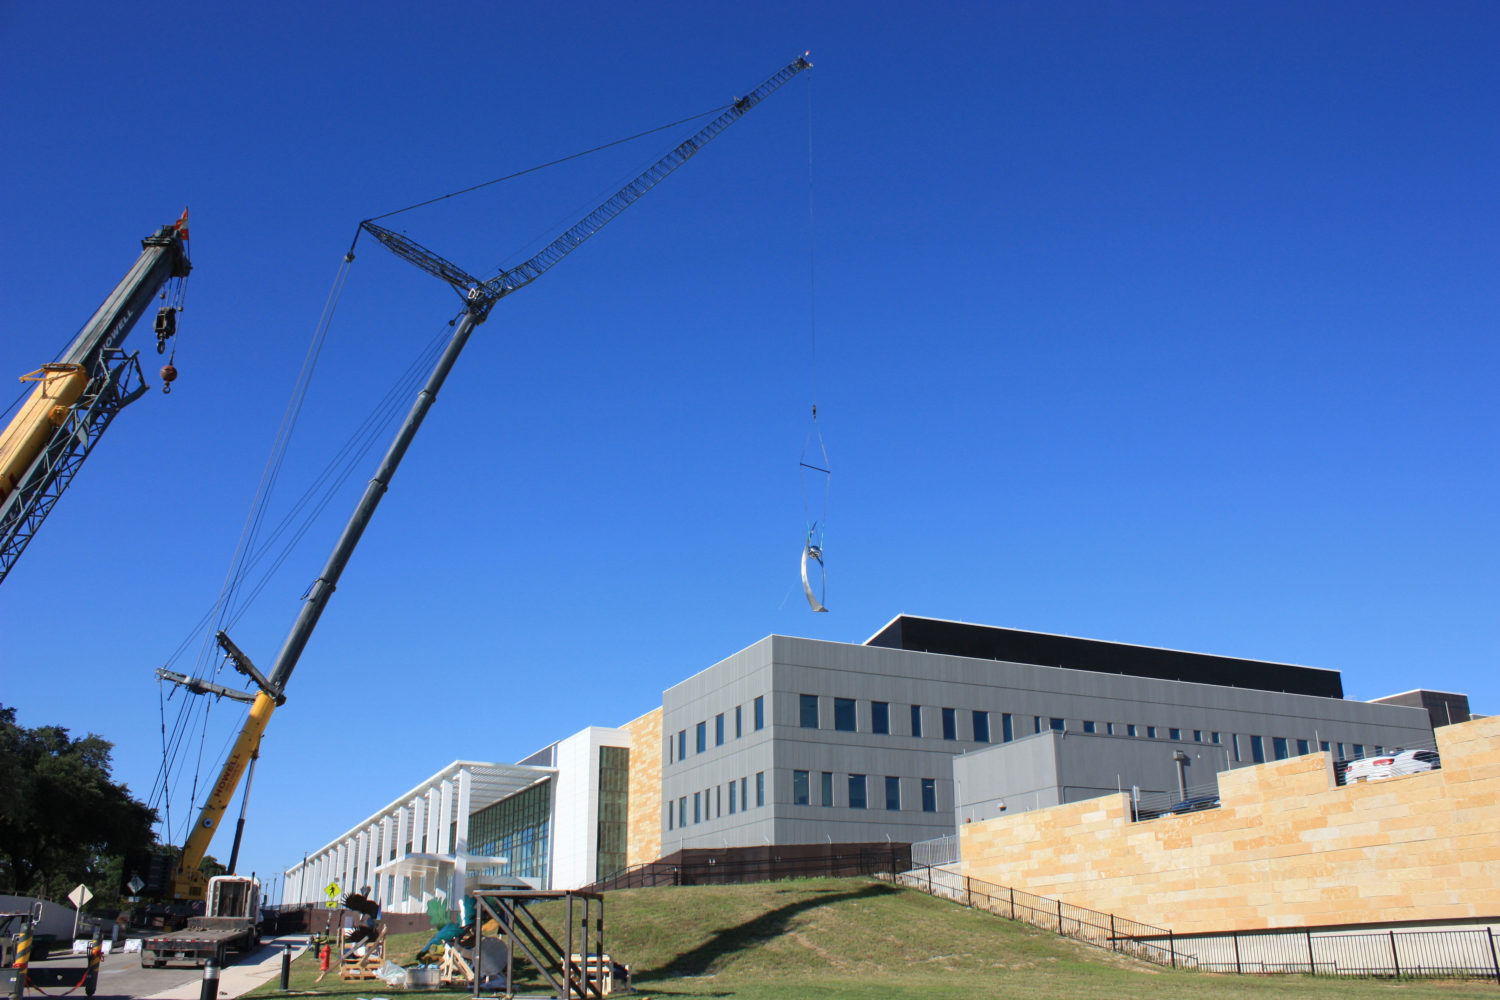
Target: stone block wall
643, 833
1286, 848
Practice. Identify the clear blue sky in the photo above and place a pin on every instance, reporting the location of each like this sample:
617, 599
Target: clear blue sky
1171, 324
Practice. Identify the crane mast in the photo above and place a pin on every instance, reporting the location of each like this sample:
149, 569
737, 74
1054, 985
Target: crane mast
479, 297
77, 396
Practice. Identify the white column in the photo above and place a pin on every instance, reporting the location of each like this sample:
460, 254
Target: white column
433, 821
372, 842
418, 814
347, 882
461, 835
445, 815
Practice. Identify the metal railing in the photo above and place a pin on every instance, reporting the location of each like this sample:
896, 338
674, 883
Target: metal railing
937, 851
1449, 954
1103, 930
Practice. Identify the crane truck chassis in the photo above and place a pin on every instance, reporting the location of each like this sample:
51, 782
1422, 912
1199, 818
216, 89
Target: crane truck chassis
231, 923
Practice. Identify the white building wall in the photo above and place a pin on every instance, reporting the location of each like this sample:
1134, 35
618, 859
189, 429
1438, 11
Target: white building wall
575, 805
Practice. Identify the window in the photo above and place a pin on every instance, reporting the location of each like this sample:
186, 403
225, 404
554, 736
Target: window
981, 727
1214, 738
892, 793
1088, 726
1036, 721
682, 744
950, 724
916, 720
697, 807
719, 730
1359, 750
1257, 750
1323, 745
760, 789
671, 815
827, 788
1279, 748
1303, 748
843, 715
1174, 733
744, 794
856, 791
718, 801
702, 736
760, 713
809, 704
670, 747
1150, 732
1341, 750
1197, 736
1007, 730
880, 717
1109, 728
799, 788
929, 795
1057, 725
1130, 729
739, 721
733, 786
682, 811
1235, 739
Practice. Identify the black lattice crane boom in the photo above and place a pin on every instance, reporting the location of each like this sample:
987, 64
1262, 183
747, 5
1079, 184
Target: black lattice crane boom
479, 297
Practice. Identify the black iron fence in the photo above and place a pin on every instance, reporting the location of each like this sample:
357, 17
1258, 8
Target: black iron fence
1104, 930
1448, 954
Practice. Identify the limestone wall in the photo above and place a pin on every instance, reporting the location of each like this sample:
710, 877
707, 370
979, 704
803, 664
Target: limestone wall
1286, 848
643, 833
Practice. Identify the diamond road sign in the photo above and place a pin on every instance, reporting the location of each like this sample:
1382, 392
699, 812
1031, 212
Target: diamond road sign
135, 884
80, 895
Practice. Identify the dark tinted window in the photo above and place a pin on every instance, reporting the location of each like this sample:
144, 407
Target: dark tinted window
880, 716
809, 704
843, 715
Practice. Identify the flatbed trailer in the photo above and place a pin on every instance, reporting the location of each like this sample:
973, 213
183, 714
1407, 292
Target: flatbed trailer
232, 925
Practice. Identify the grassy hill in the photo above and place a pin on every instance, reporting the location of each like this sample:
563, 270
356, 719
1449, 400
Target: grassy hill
845, 938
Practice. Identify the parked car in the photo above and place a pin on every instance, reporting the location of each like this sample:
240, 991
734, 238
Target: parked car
1193, 805
1390, 765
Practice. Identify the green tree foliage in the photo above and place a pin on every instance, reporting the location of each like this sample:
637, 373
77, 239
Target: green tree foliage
62, 819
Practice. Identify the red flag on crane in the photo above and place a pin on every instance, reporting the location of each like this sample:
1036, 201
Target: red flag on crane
182, 225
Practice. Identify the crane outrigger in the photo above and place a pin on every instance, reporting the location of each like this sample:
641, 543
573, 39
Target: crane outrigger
479, 297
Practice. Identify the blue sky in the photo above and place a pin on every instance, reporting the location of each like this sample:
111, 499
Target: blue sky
1161, 323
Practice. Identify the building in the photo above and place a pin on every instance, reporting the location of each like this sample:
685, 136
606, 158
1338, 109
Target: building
804, 742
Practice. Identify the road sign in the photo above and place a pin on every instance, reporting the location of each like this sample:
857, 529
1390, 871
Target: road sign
79, 896
331, 890
136, 885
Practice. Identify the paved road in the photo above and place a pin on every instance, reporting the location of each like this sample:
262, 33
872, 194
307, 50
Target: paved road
122, 978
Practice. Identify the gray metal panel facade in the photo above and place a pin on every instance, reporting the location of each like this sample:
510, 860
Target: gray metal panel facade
781, 669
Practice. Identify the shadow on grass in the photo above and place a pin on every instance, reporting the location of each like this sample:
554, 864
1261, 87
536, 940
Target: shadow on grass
771, 924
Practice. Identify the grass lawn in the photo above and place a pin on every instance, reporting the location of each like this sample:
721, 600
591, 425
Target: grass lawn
829, 939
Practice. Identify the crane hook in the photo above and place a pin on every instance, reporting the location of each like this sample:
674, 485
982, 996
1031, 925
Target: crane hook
168, 376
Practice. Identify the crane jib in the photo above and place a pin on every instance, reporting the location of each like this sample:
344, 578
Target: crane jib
479, 297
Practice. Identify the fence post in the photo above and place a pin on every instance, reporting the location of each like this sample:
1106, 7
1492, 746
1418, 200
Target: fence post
1312, 969
1013, 911
1114, 940
1493, 960
969, 890
1395, 959
1238, 970
1172, 944
1059, 916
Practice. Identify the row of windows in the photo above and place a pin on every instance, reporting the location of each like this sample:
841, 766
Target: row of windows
709, 803
858, 789
700, 731
844, 720
1281, 749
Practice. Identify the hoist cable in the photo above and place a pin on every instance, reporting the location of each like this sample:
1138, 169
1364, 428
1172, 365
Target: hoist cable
551, 163
812, 545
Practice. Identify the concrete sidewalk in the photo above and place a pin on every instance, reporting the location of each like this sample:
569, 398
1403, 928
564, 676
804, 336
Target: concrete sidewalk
245, 975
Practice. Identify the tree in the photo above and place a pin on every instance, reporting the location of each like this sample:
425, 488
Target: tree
63, 819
